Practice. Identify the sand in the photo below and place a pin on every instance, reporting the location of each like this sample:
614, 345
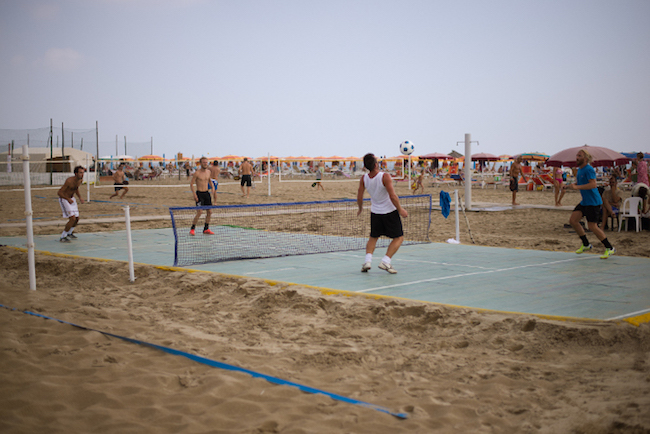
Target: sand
449, 370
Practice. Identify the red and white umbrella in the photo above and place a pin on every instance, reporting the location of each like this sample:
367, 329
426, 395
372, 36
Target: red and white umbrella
602, 157
484, 156
436, 156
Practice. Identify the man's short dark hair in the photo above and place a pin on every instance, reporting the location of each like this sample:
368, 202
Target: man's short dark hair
643, 192
77, 169
369, 161
215, 163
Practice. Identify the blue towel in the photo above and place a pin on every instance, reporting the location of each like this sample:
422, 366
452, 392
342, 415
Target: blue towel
445, 203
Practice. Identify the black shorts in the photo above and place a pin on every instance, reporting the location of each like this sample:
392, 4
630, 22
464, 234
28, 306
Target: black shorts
246, 180
118, 186
514, 184
591, 212
386, 224
205, 199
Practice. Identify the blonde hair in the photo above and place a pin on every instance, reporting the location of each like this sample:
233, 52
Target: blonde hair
587, 155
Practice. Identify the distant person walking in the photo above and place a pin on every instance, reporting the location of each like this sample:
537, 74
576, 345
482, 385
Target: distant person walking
589, 206
385, 212
120, 182
246, 172
68, 203
558, 180
320, 169
214, 174
515, 171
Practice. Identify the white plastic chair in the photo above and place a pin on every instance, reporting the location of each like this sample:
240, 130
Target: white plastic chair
630, 208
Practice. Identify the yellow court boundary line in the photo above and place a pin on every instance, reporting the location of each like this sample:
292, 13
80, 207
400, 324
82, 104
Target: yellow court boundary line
636, 320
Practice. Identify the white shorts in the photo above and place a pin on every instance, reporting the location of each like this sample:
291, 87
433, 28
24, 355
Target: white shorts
69, 209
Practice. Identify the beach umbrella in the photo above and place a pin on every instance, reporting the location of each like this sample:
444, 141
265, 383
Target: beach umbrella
632, 155
532, 156
484, 156
232, 157
124, 157
436, 156
505, 157
150, 157
602, 157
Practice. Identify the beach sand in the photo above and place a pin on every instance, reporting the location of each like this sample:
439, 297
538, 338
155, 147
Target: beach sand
450, 370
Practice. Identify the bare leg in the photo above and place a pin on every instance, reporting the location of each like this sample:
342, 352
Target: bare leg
370, 247
208, 214
394, 246
593, 227
72, 222
196, 217
574, 221
125, 191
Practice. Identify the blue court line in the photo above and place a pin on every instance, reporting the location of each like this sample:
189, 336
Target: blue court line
226, 366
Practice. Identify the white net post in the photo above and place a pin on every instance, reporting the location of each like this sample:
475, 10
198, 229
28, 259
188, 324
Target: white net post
129, 242
31, 263
456, 214
468, 171
87, 174
268, 171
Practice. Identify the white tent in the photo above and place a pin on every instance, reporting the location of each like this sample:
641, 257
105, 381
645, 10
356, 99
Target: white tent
39, 157
41, 162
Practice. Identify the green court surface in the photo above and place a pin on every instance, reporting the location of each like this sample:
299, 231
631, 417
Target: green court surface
549, 283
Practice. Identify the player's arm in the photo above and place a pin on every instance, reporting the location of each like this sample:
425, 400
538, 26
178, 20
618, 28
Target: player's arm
362, 189
79, 194
388, 183
588, 186
192, 181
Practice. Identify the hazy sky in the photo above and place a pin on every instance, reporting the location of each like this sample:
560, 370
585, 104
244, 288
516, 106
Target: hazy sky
327, 77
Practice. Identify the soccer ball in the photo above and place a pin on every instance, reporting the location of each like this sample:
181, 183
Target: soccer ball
406, 147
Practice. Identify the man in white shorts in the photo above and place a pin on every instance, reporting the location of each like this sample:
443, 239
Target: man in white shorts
68, 204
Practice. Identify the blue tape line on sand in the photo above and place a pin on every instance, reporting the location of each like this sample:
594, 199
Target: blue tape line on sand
228, 367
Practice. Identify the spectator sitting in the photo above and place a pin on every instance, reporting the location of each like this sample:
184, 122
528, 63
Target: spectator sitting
611, 201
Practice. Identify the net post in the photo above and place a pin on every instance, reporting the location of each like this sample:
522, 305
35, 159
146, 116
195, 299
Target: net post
456, 214
268, 171
31, 263
468, 171
129, 241
87, 174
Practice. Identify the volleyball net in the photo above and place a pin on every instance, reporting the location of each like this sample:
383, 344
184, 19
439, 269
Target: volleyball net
284, 229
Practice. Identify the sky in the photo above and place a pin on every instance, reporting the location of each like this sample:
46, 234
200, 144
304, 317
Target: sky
334, 77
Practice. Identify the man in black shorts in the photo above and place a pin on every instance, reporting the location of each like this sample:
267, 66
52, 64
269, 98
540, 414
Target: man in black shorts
202, 195
589, 206
246, 171
385, 212
515, 171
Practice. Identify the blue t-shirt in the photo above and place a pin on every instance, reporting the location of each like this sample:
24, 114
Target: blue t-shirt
589, 197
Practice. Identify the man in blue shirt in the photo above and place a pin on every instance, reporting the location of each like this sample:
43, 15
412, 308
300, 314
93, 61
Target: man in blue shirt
589, 206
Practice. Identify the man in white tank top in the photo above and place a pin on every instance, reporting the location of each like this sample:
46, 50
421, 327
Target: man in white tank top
385, 212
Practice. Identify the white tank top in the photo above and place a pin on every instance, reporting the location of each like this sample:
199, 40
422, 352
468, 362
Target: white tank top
380, 202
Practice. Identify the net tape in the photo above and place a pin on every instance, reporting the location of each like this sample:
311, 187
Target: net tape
284, 229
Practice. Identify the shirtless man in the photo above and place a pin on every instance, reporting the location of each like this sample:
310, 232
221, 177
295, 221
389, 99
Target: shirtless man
214, 173
202, 195
515, 171
246, 172
118, 177
68, 204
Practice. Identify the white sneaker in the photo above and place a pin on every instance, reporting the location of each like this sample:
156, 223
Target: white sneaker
365, 267
388, 267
